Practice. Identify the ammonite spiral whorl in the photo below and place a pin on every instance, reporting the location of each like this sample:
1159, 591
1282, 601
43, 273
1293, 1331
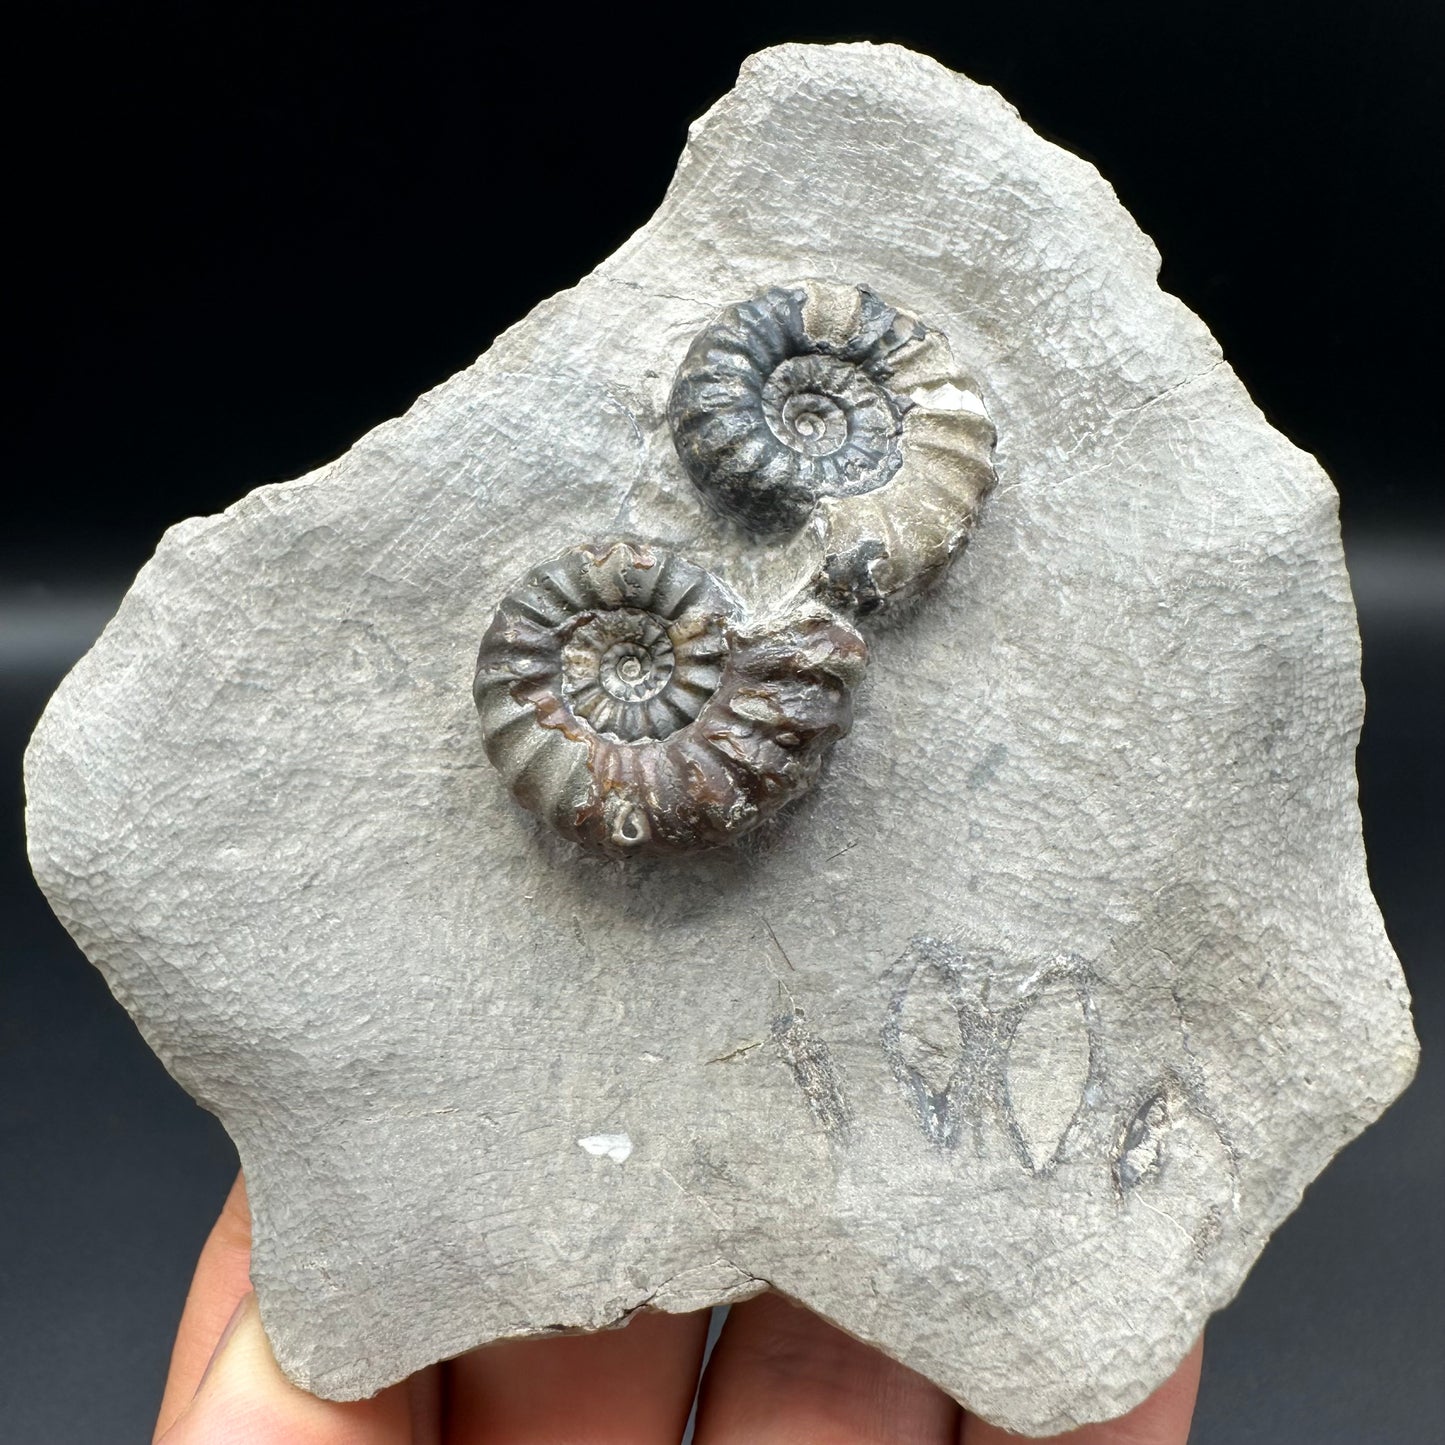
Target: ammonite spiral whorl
625, 701
821, 402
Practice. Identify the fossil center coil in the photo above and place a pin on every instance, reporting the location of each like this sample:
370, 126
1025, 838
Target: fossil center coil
636, 674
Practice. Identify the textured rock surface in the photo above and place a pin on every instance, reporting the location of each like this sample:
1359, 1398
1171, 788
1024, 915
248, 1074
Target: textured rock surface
1005, 1049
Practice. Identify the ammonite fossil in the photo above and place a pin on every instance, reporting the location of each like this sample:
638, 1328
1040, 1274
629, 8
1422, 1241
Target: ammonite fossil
625, 700
821, 402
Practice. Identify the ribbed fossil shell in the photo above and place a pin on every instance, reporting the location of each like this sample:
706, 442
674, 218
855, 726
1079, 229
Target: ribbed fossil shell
625, 701
821, 402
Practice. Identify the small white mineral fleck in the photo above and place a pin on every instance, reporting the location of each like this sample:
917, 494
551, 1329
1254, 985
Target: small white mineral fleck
616, 1147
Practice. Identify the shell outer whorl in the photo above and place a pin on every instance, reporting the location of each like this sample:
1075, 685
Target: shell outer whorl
626, 701
817, 402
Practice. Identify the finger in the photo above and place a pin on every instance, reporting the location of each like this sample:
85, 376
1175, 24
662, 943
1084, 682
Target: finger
1162, 1419
633, 1386
223, 1276
781, 1374
244, 1399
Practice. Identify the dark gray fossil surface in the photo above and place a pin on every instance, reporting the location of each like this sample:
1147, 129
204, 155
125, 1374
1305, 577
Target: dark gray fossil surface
820, 405
1006, 1047
626, 700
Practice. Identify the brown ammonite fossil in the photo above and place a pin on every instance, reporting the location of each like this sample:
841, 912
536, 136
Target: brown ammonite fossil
819, 403
628, 702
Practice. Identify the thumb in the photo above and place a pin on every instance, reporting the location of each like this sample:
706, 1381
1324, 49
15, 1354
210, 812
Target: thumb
244, 1399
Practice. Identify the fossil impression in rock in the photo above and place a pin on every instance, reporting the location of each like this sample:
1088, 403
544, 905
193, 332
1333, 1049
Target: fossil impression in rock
1005, 1047
821, 403
625, 701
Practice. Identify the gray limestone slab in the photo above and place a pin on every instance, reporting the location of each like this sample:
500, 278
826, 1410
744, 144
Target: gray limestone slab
1005, 1049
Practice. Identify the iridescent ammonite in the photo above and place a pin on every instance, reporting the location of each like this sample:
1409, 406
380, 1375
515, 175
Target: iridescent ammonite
626, 700
821, 403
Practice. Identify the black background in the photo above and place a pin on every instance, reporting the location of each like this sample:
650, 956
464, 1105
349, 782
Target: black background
242, 237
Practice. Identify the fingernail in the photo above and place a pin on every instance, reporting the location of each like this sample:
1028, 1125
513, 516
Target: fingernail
237, 1315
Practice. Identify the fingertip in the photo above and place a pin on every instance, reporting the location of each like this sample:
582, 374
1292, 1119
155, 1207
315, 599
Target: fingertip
780, 1374
244, 1399
221, 1280
232, 1229
1162, 1419
630, 1386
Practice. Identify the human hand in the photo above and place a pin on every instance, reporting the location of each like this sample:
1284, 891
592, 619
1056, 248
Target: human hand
778, 1374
